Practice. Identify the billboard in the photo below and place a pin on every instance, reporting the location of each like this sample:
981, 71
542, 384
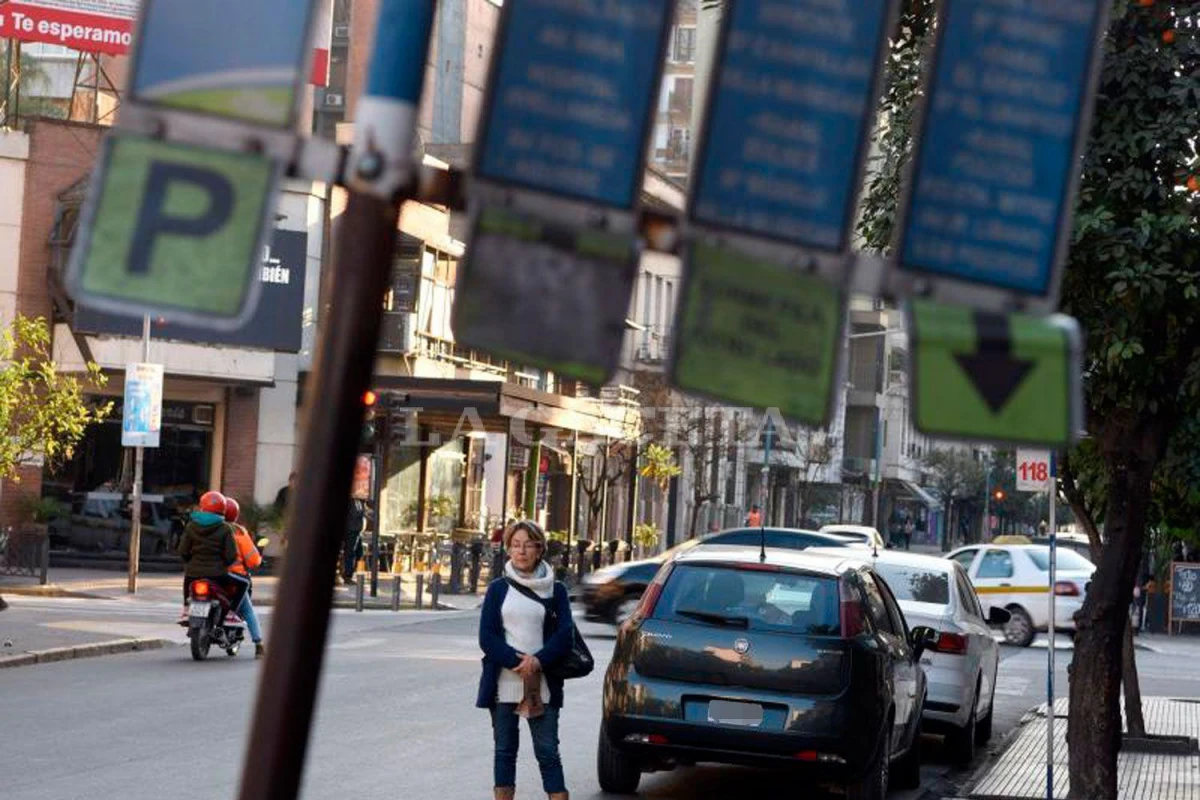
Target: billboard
141, 411
92, 26
275, 324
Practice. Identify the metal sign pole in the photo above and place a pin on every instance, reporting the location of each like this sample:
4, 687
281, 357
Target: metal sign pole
139, 458
381, 171
1050, 713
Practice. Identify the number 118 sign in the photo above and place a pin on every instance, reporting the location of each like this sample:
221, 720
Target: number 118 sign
1034, 470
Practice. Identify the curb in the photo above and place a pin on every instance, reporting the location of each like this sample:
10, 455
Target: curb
92, 650
49, 590
994, 754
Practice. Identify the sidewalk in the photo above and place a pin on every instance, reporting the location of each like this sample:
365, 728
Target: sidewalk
1020, 773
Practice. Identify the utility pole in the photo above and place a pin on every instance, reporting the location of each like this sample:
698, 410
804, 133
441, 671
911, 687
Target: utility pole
139, 459
381, 174
985, 526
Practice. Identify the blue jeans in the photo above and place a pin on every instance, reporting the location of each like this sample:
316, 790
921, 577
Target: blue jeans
507, 733
246, 612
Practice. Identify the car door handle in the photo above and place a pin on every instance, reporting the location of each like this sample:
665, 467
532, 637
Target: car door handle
1006, 584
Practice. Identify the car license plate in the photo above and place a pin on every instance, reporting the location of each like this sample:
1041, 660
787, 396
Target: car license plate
728, 712
200, 609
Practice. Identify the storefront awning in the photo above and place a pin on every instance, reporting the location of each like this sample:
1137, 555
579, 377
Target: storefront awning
921, 495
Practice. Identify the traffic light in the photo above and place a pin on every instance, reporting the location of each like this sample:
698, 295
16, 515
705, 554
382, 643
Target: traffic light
999, 495
398, 418
367, 437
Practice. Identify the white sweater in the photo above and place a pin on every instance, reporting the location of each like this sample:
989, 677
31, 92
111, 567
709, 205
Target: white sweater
524, 621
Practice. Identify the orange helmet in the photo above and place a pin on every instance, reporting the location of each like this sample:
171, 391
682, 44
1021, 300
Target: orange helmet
213, 503
232, 510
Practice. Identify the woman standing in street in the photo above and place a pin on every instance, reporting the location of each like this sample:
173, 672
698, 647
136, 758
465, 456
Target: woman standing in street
525, 627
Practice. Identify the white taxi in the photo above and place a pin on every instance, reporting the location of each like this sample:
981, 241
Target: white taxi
1016, 577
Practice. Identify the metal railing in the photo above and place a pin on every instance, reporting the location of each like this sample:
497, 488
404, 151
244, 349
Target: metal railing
25, 553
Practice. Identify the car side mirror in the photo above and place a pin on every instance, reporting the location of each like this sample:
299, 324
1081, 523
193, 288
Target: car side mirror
998, 616
922, 638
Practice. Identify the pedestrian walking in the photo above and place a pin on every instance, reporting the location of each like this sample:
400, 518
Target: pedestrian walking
525, 627
352, 548
755, 518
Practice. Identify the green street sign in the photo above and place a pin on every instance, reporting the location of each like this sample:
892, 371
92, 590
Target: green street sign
757, 333
174, 230
1007, 378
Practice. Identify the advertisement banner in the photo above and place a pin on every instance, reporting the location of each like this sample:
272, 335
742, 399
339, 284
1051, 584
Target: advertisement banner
91, 26
141, 412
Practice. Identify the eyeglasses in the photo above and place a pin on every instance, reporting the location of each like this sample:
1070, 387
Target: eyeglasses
525, 546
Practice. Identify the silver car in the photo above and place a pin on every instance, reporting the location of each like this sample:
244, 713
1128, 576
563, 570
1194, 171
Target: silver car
961, 665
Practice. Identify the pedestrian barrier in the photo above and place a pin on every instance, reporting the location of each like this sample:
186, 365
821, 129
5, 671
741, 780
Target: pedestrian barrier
396, 582
25, 552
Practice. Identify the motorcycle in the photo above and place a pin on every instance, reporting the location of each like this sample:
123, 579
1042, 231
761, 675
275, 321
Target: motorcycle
209, 605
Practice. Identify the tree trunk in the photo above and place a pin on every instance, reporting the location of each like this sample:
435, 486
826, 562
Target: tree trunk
692, 517
1135, 722
1094, 723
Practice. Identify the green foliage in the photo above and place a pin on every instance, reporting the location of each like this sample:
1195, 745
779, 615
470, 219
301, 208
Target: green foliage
43, 412
645, 535
558, 536
41, 510
955, 474
255, 517
659, 465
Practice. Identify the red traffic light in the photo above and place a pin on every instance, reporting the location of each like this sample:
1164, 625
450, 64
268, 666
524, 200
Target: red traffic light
369, 398
999, 494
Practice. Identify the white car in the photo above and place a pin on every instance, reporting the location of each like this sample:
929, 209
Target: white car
961, 665
1016, 577
857, 535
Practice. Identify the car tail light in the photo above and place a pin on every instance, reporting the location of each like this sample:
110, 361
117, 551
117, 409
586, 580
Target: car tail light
806, 755
851, 608
954, 644
1066, 589
812, 756
200, 588
646, 738
653, 592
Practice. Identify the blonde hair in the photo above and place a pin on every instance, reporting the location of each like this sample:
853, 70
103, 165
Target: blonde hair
530, 527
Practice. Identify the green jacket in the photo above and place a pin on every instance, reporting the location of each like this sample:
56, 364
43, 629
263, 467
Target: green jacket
207, 547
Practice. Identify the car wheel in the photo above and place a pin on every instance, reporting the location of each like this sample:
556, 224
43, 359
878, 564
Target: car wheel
960, 744
873, 785
1019, 630
983, 730
906, 772
617, 772
625, 608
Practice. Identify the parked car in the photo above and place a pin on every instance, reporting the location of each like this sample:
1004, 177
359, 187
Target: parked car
859, 535
961, 664
801, 660
1015, 577
612, 593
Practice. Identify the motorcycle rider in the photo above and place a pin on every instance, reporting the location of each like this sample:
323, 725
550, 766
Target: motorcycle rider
248, 558
208, 549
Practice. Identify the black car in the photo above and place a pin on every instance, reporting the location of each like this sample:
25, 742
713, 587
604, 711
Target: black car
802, 660
612, 593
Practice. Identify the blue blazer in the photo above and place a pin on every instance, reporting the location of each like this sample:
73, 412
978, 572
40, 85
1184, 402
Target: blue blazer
497, 654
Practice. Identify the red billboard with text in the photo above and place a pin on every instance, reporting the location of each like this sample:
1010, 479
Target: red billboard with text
91, 26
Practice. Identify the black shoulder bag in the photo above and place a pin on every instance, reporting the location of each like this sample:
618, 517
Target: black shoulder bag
578, 662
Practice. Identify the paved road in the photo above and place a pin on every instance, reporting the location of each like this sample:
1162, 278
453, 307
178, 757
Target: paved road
395, 720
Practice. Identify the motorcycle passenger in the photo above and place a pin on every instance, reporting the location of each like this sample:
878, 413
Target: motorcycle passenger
248, 558
208, 549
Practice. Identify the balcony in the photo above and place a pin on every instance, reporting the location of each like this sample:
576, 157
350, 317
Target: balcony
854, 466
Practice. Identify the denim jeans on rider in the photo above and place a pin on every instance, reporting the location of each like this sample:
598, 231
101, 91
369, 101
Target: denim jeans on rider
507, 733
246, 612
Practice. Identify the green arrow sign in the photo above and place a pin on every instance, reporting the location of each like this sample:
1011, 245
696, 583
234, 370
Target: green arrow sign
995, 377
176, 230
757, 333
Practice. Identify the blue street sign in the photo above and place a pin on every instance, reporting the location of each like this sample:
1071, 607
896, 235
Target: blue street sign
229, 58
997, 162
571, 96
789, 118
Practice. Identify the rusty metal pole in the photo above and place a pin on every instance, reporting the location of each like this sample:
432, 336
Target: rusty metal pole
380, 170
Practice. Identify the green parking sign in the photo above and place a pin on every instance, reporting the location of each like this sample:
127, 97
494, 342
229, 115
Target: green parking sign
174, 229
755, 332
989, 376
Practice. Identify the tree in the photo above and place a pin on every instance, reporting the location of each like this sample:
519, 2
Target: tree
22, 87
608, 463
958, 478
815, 454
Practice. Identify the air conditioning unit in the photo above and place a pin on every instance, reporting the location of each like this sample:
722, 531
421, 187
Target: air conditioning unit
333, 100
341, 31
203, 415
399, 332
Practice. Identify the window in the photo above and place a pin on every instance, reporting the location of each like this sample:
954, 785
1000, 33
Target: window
966, 596
916, 584
965, 559
680, 98
1067, 559
894, 613
877, 609
778, 602
685, 45
995, 564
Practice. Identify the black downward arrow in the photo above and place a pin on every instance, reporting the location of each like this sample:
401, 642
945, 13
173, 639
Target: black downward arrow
994, 371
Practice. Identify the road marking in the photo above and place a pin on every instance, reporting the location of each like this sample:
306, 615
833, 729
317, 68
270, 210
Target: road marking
1009, 686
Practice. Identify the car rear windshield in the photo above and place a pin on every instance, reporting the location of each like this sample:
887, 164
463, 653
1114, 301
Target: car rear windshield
781, 602
1067, 559
916, 584
790, 540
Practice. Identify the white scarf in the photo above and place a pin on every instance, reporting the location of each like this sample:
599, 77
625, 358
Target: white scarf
540, 582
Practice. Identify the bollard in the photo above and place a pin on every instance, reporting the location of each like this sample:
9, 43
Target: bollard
435, 589
395, 593
359, 586
420, 590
